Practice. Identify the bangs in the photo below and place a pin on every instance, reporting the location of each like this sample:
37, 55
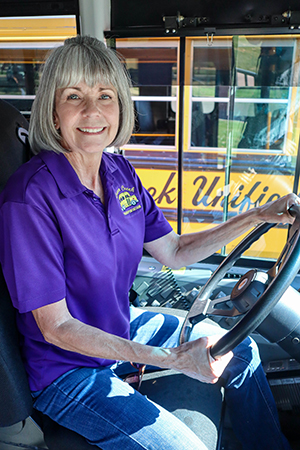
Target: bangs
85, 65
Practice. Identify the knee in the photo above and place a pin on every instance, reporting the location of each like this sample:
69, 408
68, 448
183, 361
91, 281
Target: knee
244, 364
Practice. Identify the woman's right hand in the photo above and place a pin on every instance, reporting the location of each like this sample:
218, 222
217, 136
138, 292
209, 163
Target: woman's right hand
194, 360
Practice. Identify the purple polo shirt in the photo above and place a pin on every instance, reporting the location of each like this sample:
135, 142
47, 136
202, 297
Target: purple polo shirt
58, 240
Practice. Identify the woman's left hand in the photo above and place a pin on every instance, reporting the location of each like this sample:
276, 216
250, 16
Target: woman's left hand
193, 358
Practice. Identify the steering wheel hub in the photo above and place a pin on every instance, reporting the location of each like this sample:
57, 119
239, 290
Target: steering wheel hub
248, 290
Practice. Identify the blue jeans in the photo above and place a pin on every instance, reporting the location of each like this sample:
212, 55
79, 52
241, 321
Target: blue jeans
97, 404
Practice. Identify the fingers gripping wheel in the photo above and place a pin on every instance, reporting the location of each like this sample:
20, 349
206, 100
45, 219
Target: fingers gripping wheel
254, 295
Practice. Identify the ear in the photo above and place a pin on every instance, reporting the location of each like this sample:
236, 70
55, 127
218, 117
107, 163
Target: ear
56, 121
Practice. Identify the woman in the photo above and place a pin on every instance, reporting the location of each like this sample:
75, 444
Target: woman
70, 251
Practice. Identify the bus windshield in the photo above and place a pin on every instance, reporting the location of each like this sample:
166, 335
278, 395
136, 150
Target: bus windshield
239, 121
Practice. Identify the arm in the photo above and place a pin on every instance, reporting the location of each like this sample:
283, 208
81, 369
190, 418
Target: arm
61, 329
178, 251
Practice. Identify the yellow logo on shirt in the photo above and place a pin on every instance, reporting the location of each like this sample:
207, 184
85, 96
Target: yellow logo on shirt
128, 200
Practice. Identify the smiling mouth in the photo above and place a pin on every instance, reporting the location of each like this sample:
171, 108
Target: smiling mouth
91, 130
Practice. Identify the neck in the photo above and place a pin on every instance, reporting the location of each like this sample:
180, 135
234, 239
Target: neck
87, 169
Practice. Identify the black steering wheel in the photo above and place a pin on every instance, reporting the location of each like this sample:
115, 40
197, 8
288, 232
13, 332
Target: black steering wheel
255, 294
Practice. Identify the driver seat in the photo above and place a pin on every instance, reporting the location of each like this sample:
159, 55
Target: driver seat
18, 419
198, 405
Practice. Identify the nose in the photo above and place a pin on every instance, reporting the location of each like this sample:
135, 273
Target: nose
92, 108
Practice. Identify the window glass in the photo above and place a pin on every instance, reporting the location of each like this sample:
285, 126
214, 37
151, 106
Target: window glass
209, 123
155, 123
152, 66
24, 43
259, 126
241, 130
211, 69
153, 150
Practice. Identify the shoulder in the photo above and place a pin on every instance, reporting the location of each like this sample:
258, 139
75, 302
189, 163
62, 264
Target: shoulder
18, 183
31, 179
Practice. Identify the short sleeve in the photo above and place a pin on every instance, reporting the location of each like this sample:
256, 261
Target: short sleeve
156, 225
32, 256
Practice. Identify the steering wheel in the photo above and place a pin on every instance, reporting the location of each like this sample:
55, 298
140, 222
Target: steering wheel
254, 295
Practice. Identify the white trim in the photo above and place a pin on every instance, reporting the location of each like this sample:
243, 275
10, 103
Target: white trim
145, 98
260, 100
30, 45
239, 100
18, 97
144, 43
67, 16
211, 99
153, 147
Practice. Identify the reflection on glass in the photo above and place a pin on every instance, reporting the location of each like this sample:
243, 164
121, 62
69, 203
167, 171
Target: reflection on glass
262, 125
19, 76
263, 71
152, 67
268, 61
19, 79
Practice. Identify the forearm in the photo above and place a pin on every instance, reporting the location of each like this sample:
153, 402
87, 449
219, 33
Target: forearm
191, 358
61, 329
75, 336
194, 247
178, 251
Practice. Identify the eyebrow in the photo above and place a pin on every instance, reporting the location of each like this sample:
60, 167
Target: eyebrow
76, 88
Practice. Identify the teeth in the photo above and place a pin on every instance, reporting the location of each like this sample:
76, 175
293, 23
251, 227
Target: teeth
91, 130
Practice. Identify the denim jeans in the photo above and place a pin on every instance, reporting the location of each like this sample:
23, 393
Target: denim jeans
97, 404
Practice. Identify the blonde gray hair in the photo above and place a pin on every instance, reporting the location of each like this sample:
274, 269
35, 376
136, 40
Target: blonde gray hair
81, 58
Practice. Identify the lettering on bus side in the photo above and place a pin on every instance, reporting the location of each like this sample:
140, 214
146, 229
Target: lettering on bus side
243, 199
208, 195
165, 193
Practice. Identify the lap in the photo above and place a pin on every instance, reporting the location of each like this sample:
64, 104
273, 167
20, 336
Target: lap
109, 413
163, 329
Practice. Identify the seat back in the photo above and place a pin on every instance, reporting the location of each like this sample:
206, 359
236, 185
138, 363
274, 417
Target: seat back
16, 402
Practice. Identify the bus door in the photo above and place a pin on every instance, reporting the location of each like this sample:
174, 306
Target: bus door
241, 130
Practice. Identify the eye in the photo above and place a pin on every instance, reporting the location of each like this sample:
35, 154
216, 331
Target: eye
105, 97
73, 97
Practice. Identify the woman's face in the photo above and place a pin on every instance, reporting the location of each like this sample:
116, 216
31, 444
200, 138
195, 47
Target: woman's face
88, 118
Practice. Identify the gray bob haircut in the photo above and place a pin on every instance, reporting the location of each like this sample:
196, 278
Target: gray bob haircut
81, 58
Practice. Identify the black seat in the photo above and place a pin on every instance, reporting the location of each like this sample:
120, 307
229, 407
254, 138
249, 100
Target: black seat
199, 406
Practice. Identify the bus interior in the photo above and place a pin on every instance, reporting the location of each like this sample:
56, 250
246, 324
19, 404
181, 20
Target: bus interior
216, 92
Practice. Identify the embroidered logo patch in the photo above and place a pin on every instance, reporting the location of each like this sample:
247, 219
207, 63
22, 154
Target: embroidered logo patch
128, 200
